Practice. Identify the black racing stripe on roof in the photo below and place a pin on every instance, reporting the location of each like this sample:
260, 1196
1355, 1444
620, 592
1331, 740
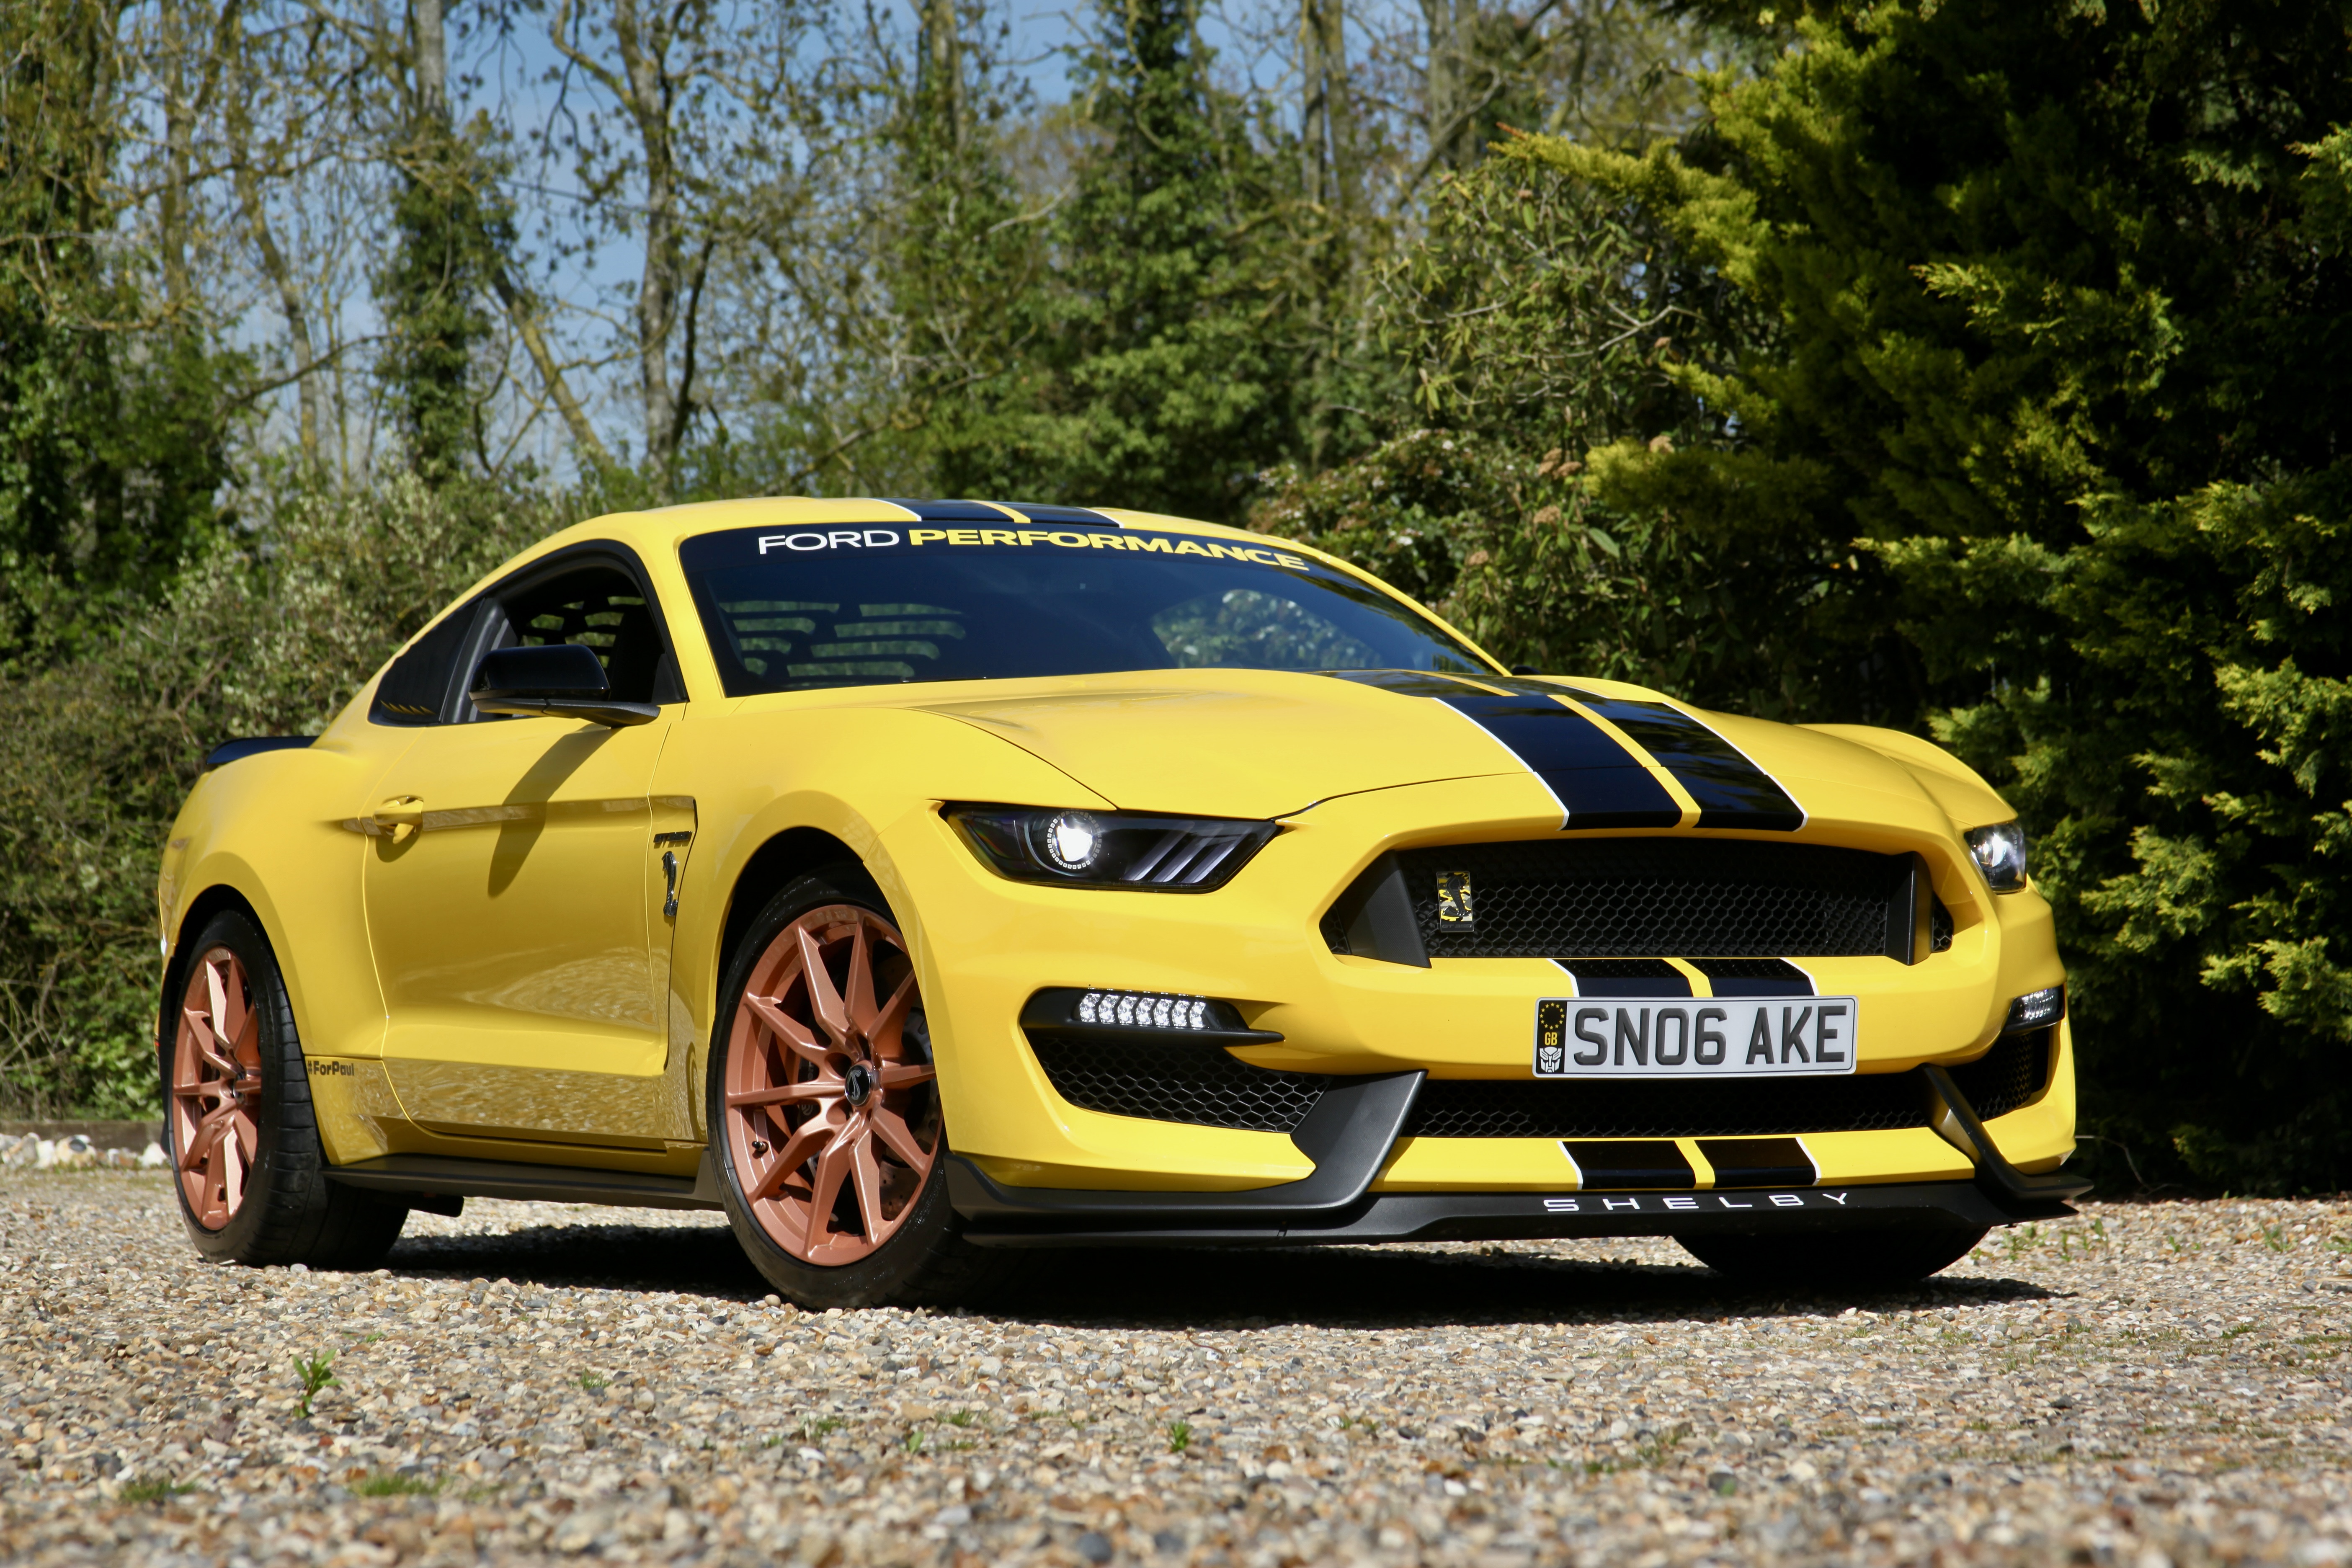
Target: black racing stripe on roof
1754, 977
1731, 791
951, 510
1597, 782
1080, 516
1625, 977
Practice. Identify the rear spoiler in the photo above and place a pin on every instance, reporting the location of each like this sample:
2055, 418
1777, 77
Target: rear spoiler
247, 746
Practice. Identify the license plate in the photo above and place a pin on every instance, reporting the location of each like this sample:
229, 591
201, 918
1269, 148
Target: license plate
1774, 1037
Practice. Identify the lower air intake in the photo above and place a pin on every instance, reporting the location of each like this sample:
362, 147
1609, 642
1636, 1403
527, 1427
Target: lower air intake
1206, 1086
2011, 1075
1633, 1108
1199, 1084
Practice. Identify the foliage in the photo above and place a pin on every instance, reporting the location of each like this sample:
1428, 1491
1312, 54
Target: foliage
267, 633
2057, 299
1156, 376
1534, 319
452, 231
112, 440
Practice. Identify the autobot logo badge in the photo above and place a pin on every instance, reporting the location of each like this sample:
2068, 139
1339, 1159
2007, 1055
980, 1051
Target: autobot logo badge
1551, 1038
1453, 901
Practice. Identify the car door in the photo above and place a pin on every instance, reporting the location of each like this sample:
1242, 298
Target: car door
513, 889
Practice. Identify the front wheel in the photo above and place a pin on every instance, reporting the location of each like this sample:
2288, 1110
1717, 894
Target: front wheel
1835, 1259
823, 1106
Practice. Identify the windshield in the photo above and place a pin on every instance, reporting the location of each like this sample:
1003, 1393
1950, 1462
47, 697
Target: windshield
790, 609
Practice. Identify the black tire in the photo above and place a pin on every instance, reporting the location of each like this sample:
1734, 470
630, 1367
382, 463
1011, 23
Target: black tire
924, 1261
1858, 1259
291, 1213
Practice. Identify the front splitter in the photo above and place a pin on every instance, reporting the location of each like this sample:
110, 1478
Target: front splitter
1032, 1217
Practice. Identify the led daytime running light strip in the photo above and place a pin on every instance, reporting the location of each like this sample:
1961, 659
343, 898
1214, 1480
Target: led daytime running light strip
1139, 1010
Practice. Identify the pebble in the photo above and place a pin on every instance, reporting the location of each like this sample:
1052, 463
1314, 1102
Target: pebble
2150, 1385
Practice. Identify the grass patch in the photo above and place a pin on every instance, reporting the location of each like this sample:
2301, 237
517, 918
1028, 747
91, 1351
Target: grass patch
594, 1381
815, 1427
154, 1489
317, 1375
392, 1483
1180, 1437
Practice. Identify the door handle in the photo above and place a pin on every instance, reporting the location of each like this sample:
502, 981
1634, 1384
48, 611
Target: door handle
401, 817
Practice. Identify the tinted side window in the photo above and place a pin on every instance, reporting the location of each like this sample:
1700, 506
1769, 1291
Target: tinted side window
600, 607
414, 690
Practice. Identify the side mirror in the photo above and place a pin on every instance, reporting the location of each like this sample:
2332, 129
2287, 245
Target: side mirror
561, 680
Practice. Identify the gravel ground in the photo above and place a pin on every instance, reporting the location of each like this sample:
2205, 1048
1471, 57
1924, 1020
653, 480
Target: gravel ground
2151, 1384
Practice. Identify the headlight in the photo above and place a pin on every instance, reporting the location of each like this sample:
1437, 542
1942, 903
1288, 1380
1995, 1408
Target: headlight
1111, 849
2001, 851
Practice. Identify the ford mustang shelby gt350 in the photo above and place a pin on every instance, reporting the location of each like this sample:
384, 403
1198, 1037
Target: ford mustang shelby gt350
921, 882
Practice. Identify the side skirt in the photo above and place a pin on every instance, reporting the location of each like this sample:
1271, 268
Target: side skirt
441, 1176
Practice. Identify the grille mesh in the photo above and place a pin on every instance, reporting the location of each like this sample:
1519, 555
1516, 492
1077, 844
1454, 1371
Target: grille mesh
1659, 898
2014, 1073
1198, 1084
1626, 1108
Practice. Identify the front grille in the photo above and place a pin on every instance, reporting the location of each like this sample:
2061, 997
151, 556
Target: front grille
1202, 1085
1627, 1108
2012, 1074
1660, 897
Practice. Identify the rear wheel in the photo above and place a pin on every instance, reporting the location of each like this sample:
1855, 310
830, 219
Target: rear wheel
1835, 1259
244, 1138
824, 1110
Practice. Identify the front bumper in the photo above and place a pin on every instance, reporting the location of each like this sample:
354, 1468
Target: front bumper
1352, 1134
988, 947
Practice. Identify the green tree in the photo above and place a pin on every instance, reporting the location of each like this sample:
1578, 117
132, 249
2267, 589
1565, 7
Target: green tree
2059, 305
1160, 378
113, 403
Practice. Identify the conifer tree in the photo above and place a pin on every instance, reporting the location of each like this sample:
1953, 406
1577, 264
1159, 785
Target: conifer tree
2060, 299
1159, 382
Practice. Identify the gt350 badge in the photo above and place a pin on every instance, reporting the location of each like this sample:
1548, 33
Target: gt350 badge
1728, 1038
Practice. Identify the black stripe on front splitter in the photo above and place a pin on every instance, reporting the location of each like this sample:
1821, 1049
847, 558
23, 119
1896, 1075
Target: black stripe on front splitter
1597, 782
1730, 790
1754, 977
1625, 977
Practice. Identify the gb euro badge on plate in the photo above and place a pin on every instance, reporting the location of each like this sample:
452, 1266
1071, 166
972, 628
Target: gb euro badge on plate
1772, 1036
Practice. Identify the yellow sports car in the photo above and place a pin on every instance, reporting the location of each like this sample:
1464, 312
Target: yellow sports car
921, 882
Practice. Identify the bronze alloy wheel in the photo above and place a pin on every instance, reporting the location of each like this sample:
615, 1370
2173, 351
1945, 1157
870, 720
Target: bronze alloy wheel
832, 1111
216, 1088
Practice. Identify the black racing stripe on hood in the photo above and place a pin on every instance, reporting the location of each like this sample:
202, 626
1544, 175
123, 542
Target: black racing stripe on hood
1597, 782
1730, 790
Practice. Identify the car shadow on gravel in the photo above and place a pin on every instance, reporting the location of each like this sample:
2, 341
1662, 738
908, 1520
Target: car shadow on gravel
1370, 1286
1171, 1288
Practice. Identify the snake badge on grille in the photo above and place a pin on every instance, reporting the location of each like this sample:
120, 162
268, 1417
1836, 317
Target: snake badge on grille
1453, 909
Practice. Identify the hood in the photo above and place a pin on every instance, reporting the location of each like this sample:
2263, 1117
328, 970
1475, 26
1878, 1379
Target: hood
1266, 743
1232, 742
